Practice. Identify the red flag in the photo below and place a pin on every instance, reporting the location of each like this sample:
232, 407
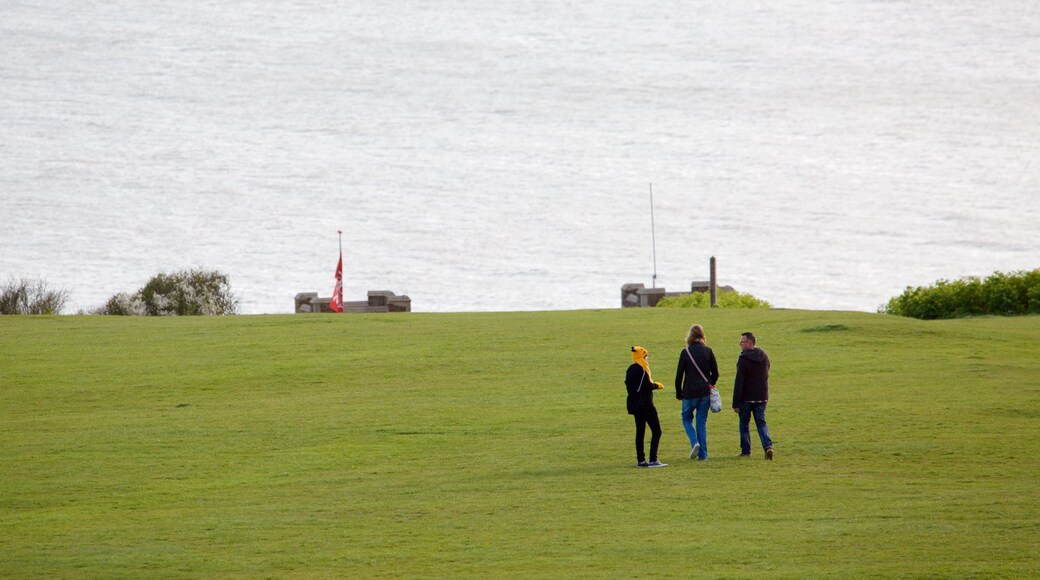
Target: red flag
336, 304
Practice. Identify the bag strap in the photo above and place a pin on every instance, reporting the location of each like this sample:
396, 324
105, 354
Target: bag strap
643, 378
687, 349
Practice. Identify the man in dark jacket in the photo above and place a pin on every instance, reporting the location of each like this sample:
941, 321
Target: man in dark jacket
751, 394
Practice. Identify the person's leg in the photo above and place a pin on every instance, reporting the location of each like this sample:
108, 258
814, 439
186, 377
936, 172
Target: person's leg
688, 406
745, 430
703, 404
640, 434
655, 432
760, 424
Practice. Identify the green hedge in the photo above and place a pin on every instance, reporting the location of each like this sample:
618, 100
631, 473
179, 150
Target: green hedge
1002, 294
723, 300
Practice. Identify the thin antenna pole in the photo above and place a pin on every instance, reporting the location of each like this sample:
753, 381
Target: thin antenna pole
653, 235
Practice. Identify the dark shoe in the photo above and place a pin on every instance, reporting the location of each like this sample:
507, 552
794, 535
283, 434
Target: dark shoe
656, 463
643, 464
744, 455
769, 454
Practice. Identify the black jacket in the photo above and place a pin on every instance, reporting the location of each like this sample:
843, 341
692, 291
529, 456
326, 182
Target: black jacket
694, 386
752, 380
640, 389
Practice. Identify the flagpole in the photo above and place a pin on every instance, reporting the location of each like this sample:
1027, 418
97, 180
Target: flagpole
340, 233
653, 236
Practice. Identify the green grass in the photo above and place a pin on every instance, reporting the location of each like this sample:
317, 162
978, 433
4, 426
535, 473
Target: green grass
475, 445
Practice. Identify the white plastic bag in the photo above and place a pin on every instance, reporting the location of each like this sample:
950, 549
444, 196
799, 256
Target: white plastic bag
716, 400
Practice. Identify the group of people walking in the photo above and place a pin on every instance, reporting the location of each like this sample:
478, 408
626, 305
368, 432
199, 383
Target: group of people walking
695, 378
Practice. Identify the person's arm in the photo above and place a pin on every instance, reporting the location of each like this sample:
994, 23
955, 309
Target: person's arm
632, 378
713, 367
679, 377
738, 384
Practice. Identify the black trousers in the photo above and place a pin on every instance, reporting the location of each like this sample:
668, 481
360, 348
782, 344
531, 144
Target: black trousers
647, 416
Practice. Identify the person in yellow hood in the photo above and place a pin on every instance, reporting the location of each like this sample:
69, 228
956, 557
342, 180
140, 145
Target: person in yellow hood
641, 387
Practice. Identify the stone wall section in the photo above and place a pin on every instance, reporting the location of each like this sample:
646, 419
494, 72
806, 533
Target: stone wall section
639, 296
378, 301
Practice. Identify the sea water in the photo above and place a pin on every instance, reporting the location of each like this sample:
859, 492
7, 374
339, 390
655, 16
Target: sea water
499, 155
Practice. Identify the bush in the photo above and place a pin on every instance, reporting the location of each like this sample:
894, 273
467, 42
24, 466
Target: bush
124, 304
723, 300
25, 296
185, 293
1002, 294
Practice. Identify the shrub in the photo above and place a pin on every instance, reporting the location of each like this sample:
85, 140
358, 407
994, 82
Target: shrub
185, 293
1002, 294
723, 300
124, 304
25, 296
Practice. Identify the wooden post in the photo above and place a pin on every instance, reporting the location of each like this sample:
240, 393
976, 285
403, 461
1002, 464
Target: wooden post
713, 283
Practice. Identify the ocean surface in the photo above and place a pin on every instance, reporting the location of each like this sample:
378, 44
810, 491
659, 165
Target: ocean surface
486, 156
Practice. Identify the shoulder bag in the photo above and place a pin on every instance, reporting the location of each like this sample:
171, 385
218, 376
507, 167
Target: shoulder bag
716, 400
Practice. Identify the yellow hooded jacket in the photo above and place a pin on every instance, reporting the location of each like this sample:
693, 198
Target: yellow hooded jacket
639, 357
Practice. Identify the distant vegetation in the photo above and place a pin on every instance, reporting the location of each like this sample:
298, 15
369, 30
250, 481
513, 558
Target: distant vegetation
184, 293
25, 296
723, 300
1002, 294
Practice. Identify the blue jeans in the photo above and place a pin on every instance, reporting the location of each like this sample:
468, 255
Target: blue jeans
759, 411
700, 433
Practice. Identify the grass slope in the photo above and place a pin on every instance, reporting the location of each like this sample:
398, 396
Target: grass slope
498, 445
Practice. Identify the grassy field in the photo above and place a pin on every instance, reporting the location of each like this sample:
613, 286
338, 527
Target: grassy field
477, 445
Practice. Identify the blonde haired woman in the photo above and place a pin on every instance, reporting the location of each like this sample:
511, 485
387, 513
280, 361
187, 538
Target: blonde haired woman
694, 377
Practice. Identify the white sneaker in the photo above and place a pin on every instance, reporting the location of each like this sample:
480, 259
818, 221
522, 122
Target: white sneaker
696, 449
